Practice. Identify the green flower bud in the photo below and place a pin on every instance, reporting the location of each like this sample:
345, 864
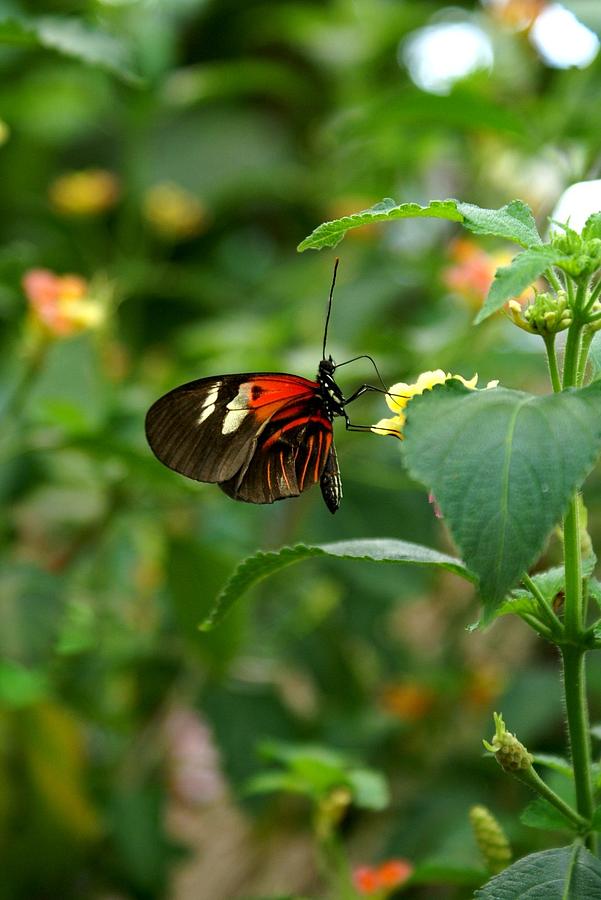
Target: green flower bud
491, 839
511, 755
547, 314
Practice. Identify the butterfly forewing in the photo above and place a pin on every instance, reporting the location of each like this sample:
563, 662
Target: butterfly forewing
261, 436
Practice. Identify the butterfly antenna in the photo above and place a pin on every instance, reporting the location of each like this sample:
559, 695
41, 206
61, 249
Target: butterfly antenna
325, 331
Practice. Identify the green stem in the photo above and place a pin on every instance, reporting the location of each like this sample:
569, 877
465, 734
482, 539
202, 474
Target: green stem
587, 337
553, 280
531, 778
572, 353
544, 605
574, 677
594, 295
538, 626
552, 360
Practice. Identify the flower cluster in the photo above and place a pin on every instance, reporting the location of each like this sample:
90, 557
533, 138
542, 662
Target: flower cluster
380, 881
61, 304
491, 839
400, 394
548, 314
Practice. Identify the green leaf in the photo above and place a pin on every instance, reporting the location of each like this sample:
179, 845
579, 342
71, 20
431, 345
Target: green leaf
566, 873
502, 465
369, 789
71, 37
513, 222
257, 567
329, 234
556, 763
511, 280
592, 227
540, 814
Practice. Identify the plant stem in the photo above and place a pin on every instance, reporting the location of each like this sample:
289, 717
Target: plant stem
538, 626
531, 778
585, 346
553, 280
574, 678
572, 352
552, 360
545, 606
573, 652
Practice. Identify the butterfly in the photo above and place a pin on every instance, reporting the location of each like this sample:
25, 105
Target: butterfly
261, 436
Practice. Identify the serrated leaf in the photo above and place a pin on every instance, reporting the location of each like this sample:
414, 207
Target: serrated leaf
71, 37
567, 873
257, 567
540, 814
503, 465
592, 227
329, 234
513, 222
511, 280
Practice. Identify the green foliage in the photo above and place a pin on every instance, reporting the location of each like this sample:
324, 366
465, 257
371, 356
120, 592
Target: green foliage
72, 38
540, 814
550, 875
317, 771
511, 280
259, 566
502, 465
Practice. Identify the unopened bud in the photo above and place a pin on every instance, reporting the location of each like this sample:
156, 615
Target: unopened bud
511, 755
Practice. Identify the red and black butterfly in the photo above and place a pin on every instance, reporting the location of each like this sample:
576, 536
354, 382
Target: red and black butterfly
261, 436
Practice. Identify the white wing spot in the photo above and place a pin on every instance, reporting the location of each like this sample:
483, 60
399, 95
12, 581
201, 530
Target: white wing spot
237, 410
233, 420
208, 405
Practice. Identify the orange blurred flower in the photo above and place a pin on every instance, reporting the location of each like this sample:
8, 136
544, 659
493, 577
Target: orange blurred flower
346, 206
483, 686
88, 192
516, 14
173, 213
472, 270
408, 700
383, 879
61, 304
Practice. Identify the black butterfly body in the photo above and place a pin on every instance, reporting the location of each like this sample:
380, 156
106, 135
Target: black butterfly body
262, 436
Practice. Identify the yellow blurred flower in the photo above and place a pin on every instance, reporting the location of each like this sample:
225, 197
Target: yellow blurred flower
4, 132
88, 192
173, 213
61, 304
400, 394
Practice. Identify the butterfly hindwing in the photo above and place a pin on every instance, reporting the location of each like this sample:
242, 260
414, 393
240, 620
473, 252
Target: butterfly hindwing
289, 457
211, 429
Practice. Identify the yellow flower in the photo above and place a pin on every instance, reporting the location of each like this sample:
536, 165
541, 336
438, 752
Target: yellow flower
400, 394
173, 213
88, 192
61, 304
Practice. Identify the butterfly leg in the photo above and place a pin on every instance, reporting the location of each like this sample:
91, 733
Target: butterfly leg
350, 426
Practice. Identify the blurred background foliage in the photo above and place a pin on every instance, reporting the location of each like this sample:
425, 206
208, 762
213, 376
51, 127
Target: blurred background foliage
161, 160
